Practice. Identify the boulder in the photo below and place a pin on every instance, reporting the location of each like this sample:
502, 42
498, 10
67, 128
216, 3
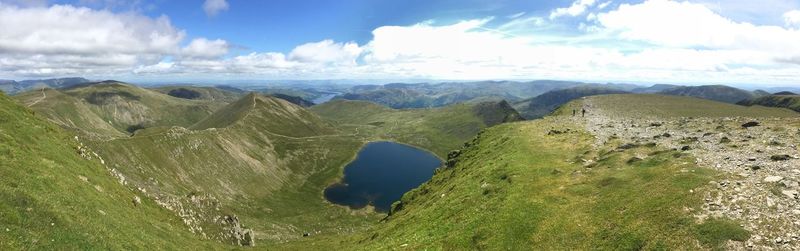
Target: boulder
750, 124
780, 157
773, 179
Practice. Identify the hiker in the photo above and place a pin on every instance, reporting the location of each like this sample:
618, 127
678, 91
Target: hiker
573, 112
583, 112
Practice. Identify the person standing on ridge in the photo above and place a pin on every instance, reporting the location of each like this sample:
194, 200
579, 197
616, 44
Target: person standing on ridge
583, 112
573, 112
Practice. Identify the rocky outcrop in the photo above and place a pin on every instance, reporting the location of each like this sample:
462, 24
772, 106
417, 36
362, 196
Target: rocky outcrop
239, 235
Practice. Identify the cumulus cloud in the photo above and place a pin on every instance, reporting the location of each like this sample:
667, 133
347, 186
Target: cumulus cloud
684, 24
204, 48
577, 8
214, 7
326, 51
792, 18
656, 40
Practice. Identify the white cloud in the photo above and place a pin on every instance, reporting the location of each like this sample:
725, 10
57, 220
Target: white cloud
656, 40
684, 24
204, 48
516, 15
577, 8
326, 51
214, 7
792, 18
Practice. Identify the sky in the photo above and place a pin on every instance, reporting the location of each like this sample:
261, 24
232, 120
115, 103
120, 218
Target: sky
663, 41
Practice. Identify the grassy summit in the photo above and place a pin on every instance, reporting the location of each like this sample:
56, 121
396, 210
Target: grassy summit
660, 106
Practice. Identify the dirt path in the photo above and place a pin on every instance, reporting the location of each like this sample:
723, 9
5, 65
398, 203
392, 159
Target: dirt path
44, 96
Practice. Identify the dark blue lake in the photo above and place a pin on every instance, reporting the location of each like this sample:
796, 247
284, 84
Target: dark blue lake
381, 173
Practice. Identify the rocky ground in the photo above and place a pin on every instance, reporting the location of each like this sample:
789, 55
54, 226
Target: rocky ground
758, 157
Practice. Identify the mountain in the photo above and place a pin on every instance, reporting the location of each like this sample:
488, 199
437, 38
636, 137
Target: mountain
712, 92
421, 95
436, 129
128, 107
293, 99
548, 102
55, 83
781, 99
55, 193
784, 93
203, 93
9, 86
655, 88
397, 98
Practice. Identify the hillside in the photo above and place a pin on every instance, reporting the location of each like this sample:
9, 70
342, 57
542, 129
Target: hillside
546, 103
711, 92
203, 93
514, 186
261, 159
668, 107
392, 97
786, 100
655, 88
606, 182
123, 107
56, 194
436, 129
421, 95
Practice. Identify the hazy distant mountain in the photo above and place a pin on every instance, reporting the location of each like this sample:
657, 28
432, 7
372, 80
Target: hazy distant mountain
9, 86
403, 95
720, 93
655, 88
546, 103
55, 83
293, 99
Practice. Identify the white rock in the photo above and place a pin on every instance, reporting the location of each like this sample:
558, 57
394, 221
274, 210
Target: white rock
790, 193
773, 178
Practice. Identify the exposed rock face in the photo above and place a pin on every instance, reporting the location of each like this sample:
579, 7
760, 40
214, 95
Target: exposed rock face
239, 235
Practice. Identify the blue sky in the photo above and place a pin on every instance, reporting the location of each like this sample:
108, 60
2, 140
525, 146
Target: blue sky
693, 42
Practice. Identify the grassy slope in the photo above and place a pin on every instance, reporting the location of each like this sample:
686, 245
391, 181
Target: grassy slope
720, 93
206, 93
278, 115
46, 204
142, 106
68, 112
517, 188
649, 105
546, 103
439, 130
783, 101
269, 165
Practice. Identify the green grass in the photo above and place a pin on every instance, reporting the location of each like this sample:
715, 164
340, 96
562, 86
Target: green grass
715, 232
439, 130
108, 110
659, 106
53, 199
517, 188
783, 101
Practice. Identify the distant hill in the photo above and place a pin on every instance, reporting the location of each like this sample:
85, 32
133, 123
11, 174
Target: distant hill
784, 93
548, 102
123, 106
13, 87
437, 129
205, 93
293, 99
420, 95
280, 116
655, 88
782, 99
720, 93
665, 106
